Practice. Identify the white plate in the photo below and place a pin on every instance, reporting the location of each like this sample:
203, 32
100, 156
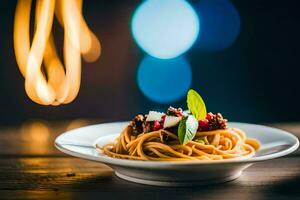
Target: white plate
81, 143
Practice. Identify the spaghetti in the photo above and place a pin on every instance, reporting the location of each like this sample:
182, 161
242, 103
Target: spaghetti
231, 143
176, 136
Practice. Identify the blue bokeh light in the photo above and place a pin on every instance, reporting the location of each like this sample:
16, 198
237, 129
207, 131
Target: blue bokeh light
165, 28
164, 81
220, 24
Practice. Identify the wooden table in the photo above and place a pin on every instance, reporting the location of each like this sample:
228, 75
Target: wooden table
31, 168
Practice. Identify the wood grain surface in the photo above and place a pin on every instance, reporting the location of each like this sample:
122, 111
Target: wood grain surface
31, 168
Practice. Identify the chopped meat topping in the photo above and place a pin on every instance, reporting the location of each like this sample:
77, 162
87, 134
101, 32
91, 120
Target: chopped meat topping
221, 122
137, 124
212, 122
177, 112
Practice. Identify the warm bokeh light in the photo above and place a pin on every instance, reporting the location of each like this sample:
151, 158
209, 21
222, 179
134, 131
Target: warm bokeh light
35, 131
54, 84
77, 123
36, 136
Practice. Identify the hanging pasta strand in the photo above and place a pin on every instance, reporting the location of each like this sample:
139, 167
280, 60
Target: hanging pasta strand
59, 82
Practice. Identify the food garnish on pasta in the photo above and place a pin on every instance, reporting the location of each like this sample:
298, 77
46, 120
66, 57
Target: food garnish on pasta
179, 136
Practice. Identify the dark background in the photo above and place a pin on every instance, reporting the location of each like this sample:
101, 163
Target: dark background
254, 80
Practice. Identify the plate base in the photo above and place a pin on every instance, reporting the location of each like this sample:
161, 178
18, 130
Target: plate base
178, 183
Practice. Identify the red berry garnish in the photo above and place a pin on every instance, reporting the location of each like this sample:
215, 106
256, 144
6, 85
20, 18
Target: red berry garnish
179, 114
156, 125
163, 118
210, 116
203, 124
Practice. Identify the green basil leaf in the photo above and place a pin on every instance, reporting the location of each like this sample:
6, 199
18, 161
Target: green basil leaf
181, 130
187, 129
196, 104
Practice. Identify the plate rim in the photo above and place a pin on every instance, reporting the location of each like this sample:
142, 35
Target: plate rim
165, 164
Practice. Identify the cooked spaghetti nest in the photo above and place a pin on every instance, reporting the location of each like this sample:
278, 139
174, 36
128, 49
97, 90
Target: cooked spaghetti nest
230, 143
